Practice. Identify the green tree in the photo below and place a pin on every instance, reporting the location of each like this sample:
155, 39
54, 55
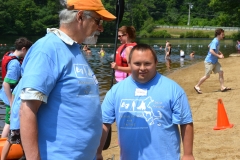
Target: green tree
228, 11
32, 17
46, 17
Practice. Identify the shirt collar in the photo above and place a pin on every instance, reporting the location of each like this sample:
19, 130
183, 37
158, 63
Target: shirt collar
64, 37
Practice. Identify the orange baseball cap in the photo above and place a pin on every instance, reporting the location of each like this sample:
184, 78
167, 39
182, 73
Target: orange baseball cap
91, 5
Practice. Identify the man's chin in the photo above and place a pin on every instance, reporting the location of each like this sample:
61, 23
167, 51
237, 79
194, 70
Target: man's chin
90, 40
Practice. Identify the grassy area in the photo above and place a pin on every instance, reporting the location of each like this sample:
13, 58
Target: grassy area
175, 33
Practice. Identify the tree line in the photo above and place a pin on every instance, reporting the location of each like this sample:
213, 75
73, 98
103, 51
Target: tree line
32, 17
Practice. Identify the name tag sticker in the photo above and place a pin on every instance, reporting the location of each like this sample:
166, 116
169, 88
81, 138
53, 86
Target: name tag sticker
140, 92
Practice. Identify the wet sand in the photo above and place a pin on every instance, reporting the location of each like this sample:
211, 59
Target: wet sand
209, 144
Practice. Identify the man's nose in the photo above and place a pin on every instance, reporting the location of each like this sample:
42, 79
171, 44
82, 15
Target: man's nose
142, 67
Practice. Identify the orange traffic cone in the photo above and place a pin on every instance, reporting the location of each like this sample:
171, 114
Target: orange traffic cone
222, 118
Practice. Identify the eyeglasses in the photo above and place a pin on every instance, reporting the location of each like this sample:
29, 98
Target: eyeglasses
120, 36
98, 22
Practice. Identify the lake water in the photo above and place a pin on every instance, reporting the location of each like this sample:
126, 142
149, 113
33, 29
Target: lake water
101, 64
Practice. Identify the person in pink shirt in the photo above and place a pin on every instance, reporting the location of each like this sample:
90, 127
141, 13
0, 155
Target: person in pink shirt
126, 35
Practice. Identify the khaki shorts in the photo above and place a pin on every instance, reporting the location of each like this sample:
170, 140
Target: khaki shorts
209, 68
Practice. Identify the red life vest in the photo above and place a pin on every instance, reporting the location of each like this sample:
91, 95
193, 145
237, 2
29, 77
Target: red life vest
5, 60
121, 61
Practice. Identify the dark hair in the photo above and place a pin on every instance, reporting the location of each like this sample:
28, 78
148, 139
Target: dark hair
218, 31
142, 47
130, 30
22, 42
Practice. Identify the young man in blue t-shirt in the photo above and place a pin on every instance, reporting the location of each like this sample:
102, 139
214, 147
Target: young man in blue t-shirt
148, 108
211, 62
12, 68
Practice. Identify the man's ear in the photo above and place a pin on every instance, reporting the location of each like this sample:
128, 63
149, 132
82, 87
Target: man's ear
24, 49
79, 15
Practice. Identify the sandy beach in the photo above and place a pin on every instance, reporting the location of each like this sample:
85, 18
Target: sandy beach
208, 144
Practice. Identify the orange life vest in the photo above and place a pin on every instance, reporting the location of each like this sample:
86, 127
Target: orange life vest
5, 60
121, 61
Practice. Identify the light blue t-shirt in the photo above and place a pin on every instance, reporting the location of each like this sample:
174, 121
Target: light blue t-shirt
215, 45
70, 123
147, 117
14, 118
12, 77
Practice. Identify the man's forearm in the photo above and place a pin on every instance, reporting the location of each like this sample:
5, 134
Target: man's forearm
8, 92
187, 138
214, 53
29, 129
105, 131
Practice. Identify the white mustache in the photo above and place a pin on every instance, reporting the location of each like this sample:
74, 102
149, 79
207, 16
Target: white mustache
96, 33
92, 39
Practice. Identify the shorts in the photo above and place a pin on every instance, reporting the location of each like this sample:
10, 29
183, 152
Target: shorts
7, 115
209, 68
14, 137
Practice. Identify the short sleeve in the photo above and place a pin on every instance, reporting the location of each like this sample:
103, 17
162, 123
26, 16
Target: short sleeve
108, 109
181, 111
13, 71
39, 73
213, 45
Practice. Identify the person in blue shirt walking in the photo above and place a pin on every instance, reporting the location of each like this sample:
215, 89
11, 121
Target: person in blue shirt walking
212, 64
11, 74
148, 109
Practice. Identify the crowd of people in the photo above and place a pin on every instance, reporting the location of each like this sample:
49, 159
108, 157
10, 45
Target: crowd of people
55, 113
